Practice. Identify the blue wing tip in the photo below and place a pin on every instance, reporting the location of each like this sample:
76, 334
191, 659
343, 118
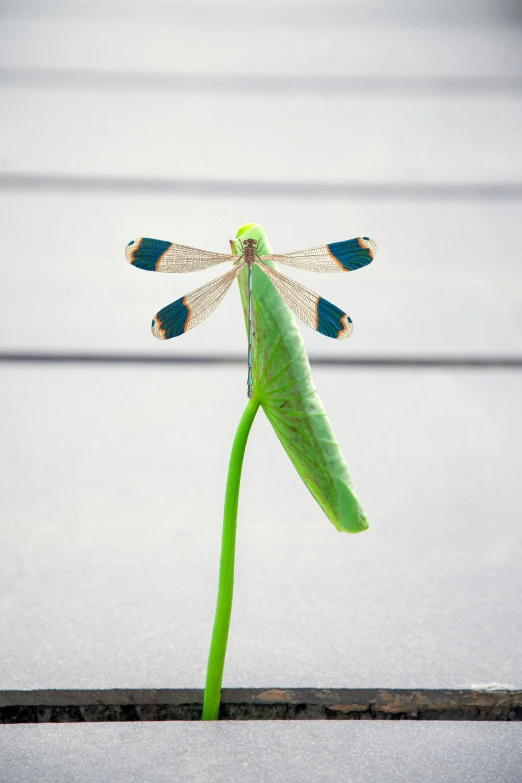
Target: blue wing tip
353, 253
146, 253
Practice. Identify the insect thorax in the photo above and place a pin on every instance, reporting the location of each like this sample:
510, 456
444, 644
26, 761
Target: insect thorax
249, 249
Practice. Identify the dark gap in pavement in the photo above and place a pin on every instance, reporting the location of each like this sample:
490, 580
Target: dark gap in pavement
486, 703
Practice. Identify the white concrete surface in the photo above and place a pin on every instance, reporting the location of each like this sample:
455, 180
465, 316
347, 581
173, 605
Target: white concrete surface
113, 493
349, 752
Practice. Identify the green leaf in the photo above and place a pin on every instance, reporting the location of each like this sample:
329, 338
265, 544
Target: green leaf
284, 386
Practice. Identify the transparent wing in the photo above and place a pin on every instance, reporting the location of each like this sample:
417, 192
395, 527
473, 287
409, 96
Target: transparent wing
313, 310
156, 255
189, 311
336, 257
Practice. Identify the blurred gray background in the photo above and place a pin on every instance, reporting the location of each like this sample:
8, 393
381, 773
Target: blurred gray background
321, 121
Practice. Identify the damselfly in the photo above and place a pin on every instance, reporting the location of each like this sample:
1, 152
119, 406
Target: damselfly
156, 255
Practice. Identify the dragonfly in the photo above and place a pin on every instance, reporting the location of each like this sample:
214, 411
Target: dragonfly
157, 255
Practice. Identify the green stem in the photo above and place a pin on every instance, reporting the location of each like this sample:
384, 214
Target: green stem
218, 645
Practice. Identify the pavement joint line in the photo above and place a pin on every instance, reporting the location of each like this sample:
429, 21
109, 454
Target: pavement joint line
266, 84
482, 703
399, 191
73, 357
326, 15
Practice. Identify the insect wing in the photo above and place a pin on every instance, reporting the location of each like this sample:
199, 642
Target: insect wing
189, 311
156, 255
336, 257
311, 309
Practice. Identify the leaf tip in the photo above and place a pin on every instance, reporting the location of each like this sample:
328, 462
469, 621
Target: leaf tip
244, 229
351, 518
